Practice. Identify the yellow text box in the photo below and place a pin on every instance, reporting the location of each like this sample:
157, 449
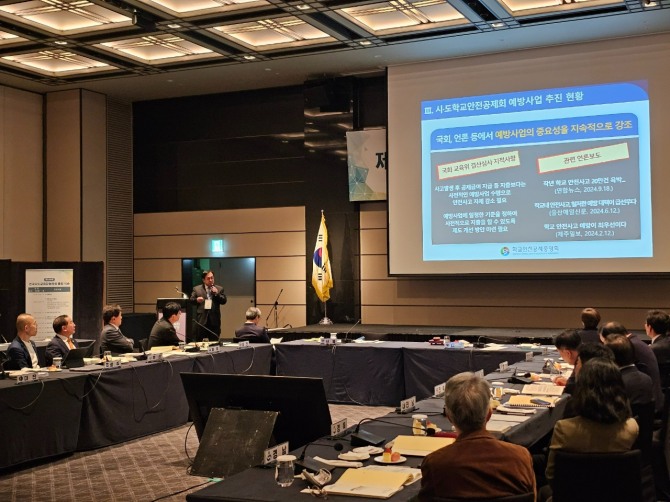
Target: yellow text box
583, 158
478, 165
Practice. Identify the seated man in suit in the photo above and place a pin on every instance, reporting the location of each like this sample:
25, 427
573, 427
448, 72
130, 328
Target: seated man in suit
590, 321
163, 332
567, 344
250, 330
22, 351
111, 337
656, 326
476, 465
638, 385
645, 360
63, 341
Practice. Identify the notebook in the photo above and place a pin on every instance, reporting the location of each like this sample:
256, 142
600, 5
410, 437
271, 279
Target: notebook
372, 482
419, 446
521, 401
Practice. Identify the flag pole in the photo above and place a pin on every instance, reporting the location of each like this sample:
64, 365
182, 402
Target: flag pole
325, 319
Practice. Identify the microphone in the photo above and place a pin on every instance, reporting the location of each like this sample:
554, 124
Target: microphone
274, 307
205, 327
308, 463
363, 438
3, 337
183, 295
346, 335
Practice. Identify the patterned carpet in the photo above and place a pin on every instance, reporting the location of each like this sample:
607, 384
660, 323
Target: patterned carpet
147, 469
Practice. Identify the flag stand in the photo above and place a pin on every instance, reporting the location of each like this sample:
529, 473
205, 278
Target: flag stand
325, 319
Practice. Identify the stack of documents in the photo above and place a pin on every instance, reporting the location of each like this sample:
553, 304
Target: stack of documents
419, 446
373, 481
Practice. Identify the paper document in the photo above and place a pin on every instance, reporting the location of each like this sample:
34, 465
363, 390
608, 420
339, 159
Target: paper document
528, 401
419, 446
513, 418
535, 389
373, 483
275, 341
498, 426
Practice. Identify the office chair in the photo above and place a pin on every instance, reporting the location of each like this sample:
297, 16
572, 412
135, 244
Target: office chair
589, 477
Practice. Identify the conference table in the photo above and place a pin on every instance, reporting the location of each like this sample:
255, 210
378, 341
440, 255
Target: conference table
257, 484
383, 373
70, 411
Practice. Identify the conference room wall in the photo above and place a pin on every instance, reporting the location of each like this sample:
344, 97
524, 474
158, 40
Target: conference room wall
275, 236
21, 205
553, 302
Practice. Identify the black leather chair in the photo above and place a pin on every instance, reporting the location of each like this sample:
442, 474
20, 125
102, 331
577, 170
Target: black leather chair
526, 497
593, 477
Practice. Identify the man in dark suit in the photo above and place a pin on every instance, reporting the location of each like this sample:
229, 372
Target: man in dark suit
163, 332
656, 326
61, 344
645, 360
476, 465
638, 385
208, 297
111, 337
590, 321
567, 344
22, 351
250, 330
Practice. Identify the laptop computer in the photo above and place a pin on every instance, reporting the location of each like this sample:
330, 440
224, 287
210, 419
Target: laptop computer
75, 357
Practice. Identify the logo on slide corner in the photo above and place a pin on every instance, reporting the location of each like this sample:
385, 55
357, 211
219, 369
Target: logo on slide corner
504, 251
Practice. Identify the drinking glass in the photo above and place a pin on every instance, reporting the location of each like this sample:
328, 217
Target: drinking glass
284, 470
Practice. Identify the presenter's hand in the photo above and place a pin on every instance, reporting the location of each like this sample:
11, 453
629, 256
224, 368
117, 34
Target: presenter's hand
214, 291
200, 299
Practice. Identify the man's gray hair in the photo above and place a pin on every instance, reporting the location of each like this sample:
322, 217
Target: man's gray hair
253, 313
467, 401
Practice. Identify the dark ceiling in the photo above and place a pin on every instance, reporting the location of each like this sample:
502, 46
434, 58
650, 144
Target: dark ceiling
145, 49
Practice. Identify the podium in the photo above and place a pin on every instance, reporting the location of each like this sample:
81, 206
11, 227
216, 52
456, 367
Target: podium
180, 325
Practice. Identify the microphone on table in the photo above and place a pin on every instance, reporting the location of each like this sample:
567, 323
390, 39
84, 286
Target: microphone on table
479, 344
363, 438
309, 463
346, 335
206, 328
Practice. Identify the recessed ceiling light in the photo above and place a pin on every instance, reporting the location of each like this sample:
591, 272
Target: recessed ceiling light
174, 26
60, 42
497, 24
249, 57
302, 6
365, 42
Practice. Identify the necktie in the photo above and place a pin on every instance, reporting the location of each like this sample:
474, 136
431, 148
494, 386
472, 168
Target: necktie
69, 343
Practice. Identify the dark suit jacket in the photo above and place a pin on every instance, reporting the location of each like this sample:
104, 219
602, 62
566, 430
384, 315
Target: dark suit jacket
646, 361
163, 333
57, 348
661, 349
112, 339
210, 318
477, 465
589, 335
253, 333
19, 355
638, 385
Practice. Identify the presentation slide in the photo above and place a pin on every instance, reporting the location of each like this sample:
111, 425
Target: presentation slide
558, 173
546, 161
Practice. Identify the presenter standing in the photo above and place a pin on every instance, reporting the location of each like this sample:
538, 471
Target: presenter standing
208, 297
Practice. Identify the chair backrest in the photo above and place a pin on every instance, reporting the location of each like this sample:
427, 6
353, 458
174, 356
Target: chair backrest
644, 416
664, 372
524, 497
585, 477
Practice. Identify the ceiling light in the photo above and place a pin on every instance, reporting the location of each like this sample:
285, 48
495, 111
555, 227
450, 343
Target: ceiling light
174, 26
60, 42
497, 24
365, 42
302, 7
249, 57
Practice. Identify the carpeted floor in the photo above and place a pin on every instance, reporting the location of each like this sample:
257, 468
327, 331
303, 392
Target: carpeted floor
147, 469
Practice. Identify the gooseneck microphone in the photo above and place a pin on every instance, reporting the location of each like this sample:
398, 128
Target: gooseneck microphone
363, 438
309, 463
206, 328
183, 295
346, 335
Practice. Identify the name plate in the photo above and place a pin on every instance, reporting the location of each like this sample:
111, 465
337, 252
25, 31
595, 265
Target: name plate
439, 389
529, 356
454, 345
407, 404
338, 427
479, 373
154, 357
26, 378
270, 455
112, 364
213, 349
503, 366
545, 350
328, 341
243, 344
